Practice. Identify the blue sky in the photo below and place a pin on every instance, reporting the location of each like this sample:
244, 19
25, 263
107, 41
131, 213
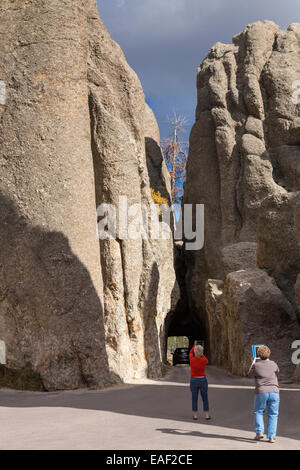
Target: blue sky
166, 40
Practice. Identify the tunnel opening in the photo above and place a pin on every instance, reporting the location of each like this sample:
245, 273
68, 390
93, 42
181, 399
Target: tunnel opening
184, 321
185, 324
174, 343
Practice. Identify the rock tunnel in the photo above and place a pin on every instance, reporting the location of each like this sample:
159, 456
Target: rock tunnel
183, 323
184, 320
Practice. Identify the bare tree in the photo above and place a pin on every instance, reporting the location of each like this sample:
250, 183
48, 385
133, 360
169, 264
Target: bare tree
176, 153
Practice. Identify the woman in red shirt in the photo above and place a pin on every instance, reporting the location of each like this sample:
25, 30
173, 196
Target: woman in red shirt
198, 380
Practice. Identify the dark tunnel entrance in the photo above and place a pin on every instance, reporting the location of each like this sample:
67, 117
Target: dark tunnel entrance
184, 324
183, 321
181, 324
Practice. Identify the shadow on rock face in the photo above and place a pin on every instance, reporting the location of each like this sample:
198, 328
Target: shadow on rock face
156, 168
50, 313
151, 335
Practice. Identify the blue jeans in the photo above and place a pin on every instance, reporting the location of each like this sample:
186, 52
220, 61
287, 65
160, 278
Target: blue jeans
199, 384
261, 402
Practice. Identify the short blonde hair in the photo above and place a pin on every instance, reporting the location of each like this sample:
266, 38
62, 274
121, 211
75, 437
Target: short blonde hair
263, 352
198, 350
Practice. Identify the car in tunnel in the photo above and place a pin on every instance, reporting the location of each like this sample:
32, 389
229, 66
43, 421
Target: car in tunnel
181, 356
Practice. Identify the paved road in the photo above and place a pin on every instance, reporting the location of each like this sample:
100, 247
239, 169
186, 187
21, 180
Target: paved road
144, 415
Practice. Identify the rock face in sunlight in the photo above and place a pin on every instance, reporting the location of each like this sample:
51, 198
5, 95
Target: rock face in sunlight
138, 275
73, 133
244, 166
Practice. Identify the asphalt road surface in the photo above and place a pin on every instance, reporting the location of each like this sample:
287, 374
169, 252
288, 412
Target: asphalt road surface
146, 414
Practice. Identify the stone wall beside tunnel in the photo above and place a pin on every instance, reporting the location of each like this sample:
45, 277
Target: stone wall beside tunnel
243, 166
75, 132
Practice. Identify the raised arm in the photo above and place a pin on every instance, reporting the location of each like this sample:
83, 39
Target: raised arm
204, 358
191, 352
250, 371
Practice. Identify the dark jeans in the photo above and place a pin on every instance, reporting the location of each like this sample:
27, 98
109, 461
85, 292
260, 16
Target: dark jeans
199, 384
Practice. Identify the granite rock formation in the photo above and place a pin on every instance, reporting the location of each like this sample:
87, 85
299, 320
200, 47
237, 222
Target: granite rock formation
244, 166
73, 134
138, 274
